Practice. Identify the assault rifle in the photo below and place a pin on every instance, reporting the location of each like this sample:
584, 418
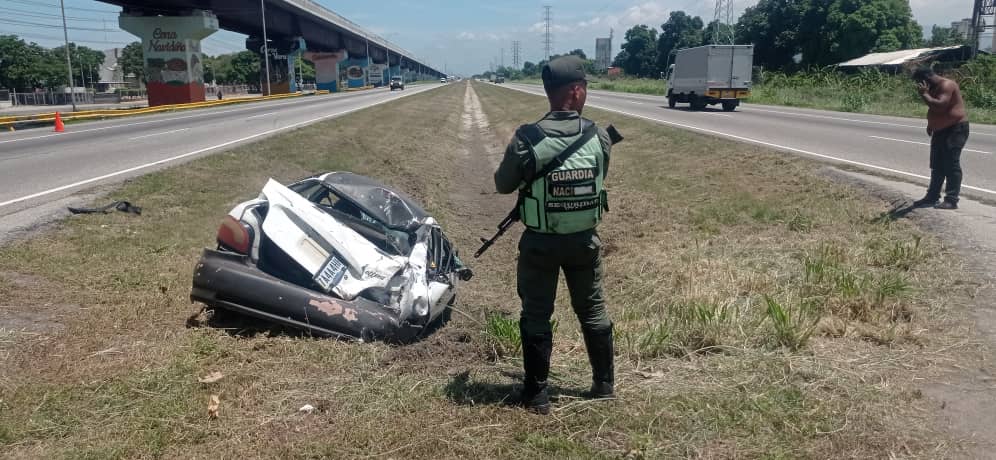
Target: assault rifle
514, 216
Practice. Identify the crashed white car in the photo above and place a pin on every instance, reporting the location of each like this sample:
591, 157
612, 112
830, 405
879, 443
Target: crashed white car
337, 254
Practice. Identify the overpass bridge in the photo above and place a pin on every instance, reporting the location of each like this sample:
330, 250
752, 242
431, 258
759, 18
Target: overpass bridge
342, 51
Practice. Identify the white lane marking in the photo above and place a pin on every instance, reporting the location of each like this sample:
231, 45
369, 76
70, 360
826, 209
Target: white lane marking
635, 102
783, 147
196, 115
261, 115
827, 117
921, 143
199, 151
752, 108
717, 114
158, 134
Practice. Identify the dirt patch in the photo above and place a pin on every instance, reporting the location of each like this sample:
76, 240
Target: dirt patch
32, 305
472, 208
963, 394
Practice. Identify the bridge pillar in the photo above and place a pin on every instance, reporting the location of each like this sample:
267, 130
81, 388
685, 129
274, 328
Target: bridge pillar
296, 51
377, 74
355, 70
282, 54
326, 68
171, 47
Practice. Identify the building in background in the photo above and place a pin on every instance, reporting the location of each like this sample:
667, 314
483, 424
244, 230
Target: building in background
111, 74
603, 52
963, 27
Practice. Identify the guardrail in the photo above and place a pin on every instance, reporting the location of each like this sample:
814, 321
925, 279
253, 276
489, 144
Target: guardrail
112, 113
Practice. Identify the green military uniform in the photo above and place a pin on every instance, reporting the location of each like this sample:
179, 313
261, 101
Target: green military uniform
561, 211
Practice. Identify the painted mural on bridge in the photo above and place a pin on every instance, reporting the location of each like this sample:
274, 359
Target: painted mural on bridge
174, 63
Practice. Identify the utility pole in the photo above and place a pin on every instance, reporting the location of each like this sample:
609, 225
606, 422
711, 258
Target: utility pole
503, 57
69, 62
266, 46
517, 54
547, 37
982, 8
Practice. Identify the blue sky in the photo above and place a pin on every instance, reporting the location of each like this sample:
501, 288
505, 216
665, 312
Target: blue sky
463, 36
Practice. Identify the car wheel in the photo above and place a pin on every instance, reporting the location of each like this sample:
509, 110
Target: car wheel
729, 106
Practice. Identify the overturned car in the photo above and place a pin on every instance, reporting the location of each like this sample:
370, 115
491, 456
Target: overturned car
337, 255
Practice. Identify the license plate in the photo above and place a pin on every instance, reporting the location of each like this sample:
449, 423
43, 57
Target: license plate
331, 273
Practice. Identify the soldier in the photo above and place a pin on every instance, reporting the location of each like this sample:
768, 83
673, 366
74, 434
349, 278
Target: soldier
558, 165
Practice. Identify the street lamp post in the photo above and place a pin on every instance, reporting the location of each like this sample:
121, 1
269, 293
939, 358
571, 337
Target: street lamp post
69, 62
266, 46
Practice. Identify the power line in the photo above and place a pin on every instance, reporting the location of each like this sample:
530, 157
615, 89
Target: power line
51, 37
53, 26
49, 5
41, 15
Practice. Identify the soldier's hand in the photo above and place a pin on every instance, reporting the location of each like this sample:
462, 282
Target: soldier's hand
922, 87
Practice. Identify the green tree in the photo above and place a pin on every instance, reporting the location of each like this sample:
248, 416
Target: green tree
579, 53
530, 69
640, 48
773, 27
240, 68
680, 31
858, 27
86, 63
718, 33
945, 36
826, 31
132, 61
24, 66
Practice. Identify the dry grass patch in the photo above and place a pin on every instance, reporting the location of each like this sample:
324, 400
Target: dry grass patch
718, 269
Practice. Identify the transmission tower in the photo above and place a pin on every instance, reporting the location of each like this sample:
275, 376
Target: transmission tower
548, 36
723, 33
517, 54
982, 8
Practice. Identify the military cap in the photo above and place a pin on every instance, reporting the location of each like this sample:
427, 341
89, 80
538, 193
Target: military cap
563, 70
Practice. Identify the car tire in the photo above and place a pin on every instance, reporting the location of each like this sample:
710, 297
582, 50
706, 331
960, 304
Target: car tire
672, 101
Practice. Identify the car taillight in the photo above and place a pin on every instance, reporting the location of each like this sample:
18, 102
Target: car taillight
234, 235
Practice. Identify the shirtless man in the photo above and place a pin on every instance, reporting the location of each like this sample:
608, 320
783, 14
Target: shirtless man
947, 125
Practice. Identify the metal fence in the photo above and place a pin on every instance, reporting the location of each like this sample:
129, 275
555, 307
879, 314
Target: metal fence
51, 98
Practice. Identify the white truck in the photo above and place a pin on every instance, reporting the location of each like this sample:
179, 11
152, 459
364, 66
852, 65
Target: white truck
709, 75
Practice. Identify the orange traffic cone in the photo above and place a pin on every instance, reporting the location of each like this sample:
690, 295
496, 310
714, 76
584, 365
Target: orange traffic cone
59, 127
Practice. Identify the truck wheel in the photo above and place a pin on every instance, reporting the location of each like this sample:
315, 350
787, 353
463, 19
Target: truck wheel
672, 101
697, 103
730, 106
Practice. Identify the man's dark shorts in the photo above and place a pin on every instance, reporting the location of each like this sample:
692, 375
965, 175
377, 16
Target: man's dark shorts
945, 161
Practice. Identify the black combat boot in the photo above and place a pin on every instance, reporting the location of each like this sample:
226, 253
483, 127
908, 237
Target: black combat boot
536, 350
600, 355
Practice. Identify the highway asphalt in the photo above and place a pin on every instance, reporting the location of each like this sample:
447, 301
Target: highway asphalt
39, 167
887, 145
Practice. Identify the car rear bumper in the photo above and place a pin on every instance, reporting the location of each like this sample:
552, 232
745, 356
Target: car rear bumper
230, 281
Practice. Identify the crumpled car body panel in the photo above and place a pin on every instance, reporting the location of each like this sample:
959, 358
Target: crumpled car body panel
338, 254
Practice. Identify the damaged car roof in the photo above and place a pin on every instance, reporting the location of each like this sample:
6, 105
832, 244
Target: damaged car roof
391, 207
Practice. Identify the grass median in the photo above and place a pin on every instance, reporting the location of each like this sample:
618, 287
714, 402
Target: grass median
762, 311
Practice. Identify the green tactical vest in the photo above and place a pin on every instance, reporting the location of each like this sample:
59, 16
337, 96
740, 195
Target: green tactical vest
569, 198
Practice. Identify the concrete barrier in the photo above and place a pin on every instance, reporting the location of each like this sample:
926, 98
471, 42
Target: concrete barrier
112, 113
